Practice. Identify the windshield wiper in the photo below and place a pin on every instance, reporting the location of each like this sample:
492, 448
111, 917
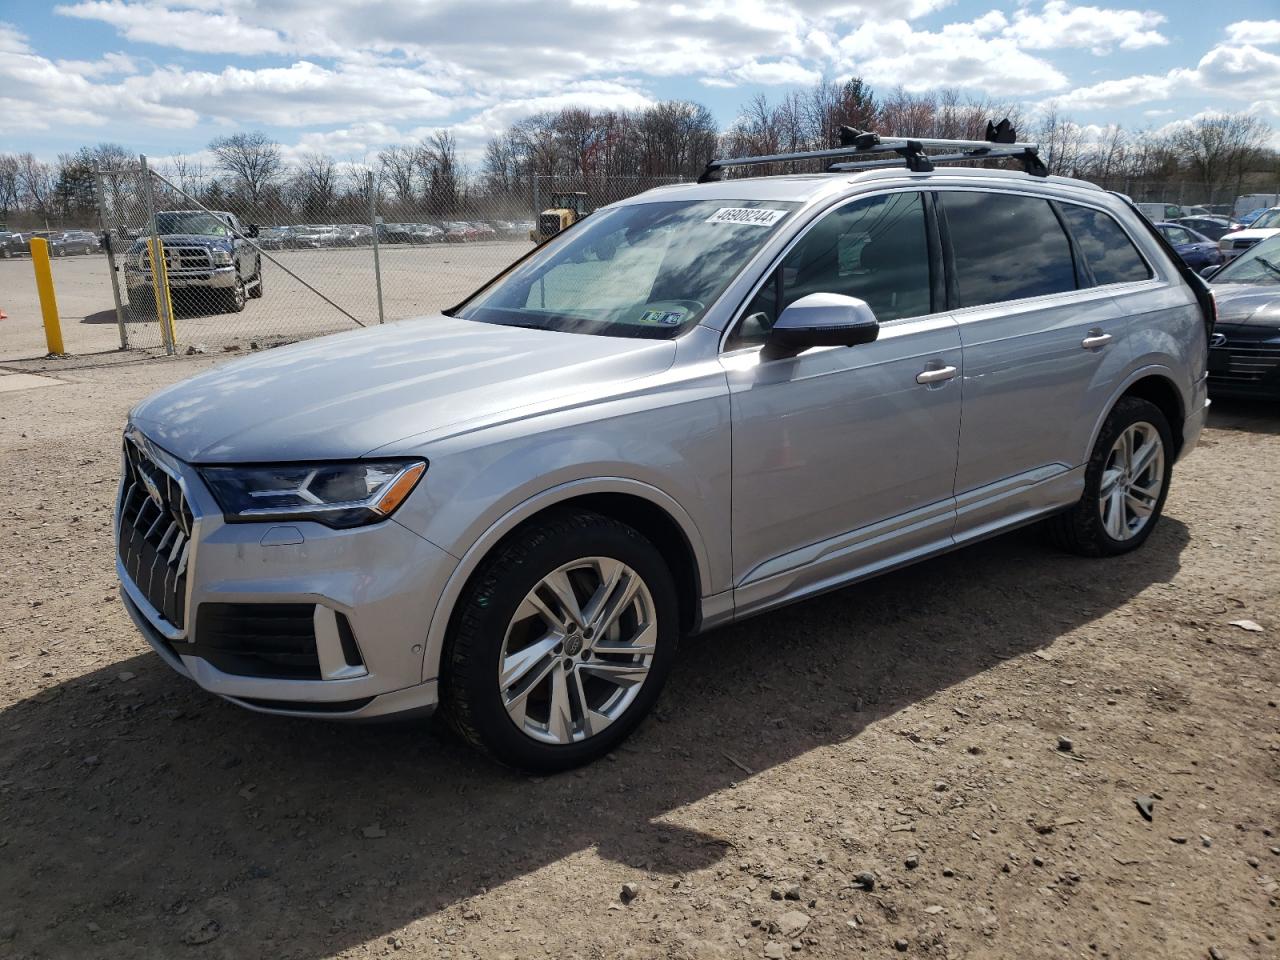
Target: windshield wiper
1268, 264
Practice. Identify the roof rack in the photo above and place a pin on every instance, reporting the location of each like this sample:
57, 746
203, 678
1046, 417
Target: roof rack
1000, 143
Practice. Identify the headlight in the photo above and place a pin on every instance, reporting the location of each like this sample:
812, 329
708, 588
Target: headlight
222, 257
339, 495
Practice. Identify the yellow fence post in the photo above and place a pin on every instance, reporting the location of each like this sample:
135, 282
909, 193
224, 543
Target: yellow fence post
48, 300
160, 290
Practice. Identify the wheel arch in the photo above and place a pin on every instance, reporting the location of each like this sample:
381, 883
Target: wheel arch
653, 513
1155, 384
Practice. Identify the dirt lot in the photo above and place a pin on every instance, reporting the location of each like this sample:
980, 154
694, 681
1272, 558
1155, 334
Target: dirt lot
912, 720
416, 280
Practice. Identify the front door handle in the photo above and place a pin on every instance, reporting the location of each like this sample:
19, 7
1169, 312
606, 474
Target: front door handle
936, 374
1095, 339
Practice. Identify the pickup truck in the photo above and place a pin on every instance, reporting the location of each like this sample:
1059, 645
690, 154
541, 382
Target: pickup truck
207, 253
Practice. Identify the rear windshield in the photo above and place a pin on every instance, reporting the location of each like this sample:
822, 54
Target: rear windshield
643, 270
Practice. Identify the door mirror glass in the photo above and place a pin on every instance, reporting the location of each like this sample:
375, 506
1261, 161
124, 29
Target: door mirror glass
1209, 271
253, 230
821, 320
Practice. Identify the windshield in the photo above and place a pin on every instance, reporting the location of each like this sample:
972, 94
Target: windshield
1268, 221
192, 223
1260, 264
641, 270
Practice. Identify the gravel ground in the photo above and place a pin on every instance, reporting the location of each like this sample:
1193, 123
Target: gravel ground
416, 280
908, 728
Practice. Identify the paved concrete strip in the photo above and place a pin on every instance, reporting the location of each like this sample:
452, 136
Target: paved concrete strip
10, 382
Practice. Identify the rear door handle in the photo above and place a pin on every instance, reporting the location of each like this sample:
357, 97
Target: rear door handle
936, 374
1095, 339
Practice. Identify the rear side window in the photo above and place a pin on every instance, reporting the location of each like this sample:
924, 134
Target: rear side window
1106, 247
1006, 247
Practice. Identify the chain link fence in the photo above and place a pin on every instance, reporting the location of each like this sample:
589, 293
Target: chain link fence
248, 272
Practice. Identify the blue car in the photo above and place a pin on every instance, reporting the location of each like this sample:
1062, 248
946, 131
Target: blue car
1196, 250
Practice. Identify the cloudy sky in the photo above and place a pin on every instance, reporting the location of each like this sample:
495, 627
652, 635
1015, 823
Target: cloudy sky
165, 76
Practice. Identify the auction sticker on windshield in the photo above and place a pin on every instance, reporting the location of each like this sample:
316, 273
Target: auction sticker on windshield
755, 216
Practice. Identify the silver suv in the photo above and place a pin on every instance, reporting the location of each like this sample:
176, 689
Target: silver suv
696, 405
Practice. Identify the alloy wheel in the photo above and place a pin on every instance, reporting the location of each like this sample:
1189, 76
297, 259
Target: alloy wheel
577, 650
1132, 479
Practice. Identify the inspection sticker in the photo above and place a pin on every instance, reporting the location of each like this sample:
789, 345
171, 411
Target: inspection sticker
755, 216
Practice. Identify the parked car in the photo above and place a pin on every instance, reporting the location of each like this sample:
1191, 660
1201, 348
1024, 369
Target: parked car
395, 232
1159, 212
1210, 226
455, 231
426, 233
313, 237
275, 238
74, 241
1196, 250
207, 254
480, 230
1248, 218
7, 248
1244, 351
1237, 241
701, 403
20, 240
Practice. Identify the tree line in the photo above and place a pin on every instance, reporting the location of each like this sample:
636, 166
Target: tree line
611, 154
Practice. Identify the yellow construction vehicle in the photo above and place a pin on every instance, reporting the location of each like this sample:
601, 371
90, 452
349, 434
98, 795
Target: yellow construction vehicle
566, 210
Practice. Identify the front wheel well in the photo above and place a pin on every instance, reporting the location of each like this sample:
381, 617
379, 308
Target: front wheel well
1162, 392
650, 521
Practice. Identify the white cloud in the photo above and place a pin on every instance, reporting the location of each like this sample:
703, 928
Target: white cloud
1236, 73
1099, 30
195, 30
1257, 32
968, 54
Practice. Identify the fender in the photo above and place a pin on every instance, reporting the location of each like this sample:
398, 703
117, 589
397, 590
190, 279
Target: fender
472, 558
1150, 369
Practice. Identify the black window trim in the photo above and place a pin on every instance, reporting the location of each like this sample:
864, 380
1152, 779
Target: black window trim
1153, 275
771, 273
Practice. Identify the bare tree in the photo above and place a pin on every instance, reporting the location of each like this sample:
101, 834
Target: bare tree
252, 160
1218, 147
398, 166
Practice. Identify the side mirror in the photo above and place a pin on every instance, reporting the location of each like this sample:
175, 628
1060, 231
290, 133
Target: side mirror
1210, 270
253, 230
821, 320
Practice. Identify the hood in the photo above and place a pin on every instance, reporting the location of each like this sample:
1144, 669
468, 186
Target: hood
1248, 303
343, 396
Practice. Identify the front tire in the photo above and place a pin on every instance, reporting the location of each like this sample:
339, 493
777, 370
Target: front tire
256, 292
560, 643
1126, 482
236, 297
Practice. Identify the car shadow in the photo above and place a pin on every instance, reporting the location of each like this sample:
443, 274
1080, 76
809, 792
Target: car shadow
1247, 416
330, 835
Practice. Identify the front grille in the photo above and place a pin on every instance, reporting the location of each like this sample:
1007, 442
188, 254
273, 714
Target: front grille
276, 640
181, 258
1242, 244
155, 526
1249, 364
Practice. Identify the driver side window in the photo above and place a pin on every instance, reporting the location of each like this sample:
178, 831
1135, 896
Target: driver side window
875, 249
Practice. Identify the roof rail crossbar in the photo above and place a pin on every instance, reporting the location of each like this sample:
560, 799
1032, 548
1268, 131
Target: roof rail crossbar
1029, 156
1001, 143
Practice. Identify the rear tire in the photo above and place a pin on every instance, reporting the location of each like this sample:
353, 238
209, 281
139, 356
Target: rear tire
606, 671
1121, 503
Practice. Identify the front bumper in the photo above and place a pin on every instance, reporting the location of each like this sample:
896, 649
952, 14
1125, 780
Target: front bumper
1245, 362
218, 278
382, 581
